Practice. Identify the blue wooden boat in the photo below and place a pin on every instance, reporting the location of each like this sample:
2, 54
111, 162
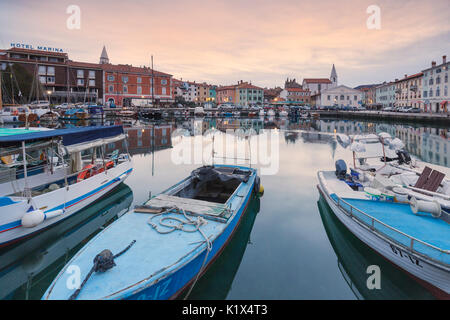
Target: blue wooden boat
160, 249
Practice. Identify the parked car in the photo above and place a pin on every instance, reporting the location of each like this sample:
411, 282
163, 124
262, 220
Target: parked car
389, 109
361, 109
413, 110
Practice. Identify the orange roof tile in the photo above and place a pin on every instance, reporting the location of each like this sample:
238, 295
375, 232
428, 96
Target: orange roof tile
317, 80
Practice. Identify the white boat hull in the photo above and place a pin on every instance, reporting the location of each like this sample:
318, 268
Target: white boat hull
430, 274
72, 200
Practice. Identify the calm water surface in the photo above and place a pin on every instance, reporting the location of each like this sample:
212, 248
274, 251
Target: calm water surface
289, 246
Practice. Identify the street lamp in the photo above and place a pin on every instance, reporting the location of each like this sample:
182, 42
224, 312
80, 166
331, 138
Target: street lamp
49, 94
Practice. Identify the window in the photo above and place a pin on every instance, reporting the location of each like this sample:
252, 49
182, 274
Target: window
42, 79
125, 89
348, 97
110, 77
438, 80
342, 97
42, 70
438, 92
110, 88
80, 74
446, 78
355, 98
80, 82
163, 81
431, 93
91, 74
328, 98
430, 82
425, 94
91, 83
139, 89
445, 91
124, 79
51, 79
164, 90
139, 80
50, 71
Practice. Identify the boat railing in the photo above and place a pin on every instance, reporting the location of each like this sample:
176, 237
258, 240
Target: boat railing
411, 243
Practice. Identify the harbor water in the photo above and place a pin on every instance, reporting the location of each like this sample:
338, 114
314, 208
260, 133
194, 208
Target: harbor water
289, 245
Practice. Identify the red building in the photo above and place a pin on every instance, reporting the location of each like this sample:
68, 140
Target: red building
125, 85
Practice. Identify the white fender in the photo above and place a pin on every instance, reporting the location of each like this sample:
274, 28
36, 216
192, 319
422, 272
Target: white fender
33, 218
432, 207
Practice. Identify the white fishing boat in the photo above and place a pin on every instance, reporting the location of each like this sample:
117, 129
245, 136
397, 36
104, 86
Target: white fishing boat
400, 213
48, 175
261, 113
199, 111
271, 113
283, 113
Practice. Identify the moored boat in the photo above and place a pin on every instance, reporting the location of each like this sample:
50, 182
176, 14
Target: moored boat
168, 242
400, 214
48, 175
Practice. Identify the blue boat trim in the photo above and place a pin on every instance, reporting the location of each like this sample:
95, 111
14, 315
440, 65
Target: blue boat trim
400, 217
6, 201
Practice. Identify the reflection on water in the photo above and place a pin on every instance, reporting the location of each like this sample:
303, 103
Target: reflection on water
296, 240
353, 258
28, 267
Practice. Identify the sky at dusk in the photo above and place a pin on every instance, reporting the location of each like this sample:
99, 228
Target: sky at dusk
261, 41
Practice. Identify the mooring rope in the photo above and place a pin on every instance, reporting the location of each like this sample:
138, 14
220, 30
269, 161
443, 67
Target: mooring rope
197, 223
102, 262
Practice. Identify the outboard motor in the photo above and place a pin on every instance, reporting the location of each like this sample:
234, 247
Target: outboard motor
403, 157
341, 169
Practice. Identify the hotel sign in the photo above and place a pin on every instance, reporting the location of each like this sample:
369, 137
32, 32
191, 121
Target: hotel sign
31, 47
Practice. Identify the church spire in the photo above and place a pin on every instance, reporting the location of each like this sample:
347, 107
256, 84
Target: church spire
104, 56
333, 76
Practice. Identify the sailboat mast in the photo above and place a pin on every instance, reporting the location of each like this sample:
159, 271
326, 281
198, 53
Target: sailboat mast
153, 86
1, 97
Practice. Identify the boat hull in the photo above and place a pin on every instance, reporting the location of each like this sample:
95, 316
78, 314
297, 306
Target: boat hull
72, 201
175, 283
433, 276
163, 269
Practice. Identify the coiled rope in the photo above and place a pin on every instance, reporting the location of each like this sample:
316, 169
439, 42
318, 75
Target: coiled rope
102, 262
196, 223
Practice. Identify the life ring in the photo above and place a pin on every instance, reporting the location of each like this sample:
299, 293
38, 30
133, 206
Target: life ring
86, 173
109, 164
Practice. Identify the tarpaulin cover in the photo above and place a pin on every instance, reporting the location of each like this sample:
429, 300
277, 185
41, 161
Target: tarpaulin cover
210, 173
70, 136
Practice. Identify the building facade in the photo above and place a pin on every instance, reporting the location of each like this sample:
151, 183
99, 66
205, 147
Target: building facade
55, 77
248, 94
435, 87
243, 94
340, 96
126, 85
408, 91
317, 85
296, 96
385, 94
